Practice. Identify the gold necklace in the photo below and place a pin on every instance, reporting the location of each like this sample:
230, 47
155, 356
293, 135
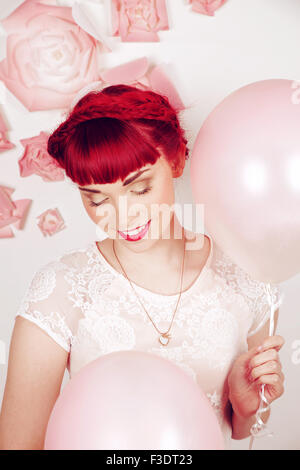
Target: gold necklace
164, 338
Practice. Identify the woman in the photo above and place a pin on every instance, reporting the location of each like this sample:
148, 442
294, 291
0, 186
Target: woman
156, 288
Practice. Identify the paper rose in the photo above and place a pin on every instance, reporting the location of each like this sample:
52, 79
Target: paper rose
206, 7
36, 159
138, 73
138, 20
11, 212
50, 222
49, 56
4, 143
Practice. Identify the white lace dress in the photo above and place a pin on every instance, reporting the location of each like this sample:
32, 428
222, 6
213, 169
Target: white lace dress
89, 309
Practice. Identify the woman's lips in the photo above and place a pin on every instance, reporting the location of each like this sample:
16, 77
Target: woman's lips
137, 236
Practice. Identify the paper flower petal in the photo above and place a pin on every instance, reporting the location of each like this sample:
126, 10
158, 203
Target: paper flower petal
95, 26
161, 83
206, 7
7, 8
126, 73
7, 206
21, 211
7, 220
6, 232
7, 190
11, 212
4, 142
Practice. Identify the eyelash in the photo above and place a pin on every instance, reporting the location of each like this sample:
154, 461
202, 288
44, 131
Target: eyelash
146, 190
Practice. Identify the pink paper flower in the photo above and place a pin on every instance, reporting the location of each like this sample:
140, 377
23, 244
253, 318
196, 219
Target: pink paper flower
36, 159
50, 222
49, 57
4, 143
138, 20
11, 212
138, 73
206, 7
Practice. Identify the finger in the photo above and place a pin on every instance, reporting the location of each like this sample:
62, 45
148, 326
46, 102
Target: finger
274, 381
271, 342
269, 379
270, 367
261, 358
275, 342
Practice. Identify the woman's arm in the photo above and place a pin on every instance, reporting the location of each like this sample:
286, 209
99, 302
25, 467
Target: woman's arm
247, 375
36, 367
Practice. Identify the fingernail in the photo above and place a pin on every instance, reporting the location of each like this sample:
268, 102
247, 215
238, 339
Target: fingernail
260, 348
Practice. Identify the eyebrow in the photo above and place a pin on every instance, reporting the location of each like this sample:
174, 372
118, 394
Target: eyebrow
126, 182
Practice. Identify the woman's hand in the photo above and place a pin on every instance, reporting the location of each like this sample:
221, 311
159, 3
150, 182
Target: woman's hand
256, 367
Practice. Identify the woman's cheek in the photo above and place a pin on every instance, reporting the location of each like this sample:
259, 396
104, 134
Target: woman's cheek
90, 211
95, 215
166, 195
162, 210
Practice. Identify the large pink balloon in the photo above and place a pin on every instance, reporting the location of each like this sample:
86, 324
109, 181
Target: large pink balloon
245, 169
132, 400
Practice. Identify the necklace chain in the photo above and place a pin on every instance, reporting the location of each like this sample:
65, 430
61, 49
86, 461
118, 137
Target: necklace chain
165, 337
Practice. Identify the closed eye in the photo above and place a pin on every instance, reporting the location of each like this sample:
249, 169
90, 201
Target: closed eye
146, 190
138, 193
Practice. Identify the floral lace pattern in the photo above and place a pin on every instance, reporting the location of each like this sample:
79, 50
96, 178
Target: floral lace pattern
42, 285
89, 309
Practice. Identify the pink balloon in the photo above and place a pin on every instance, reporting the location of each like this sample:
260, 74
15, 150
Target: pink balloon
132, 400
245, 169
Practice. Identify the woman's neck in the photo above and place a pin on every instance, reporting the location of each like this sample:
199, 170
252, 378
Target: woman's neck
165, 251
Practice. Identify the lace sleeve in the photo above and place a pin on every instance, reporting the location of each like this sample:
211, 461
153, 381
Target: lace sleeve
253, 291
46, 304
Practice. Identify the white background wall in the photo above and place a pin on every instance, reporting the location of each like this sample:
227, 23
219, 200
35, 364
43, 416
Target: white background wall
246, 41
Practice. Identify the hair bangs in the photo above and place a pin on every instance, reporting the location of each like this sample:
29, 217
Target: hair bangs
104, 150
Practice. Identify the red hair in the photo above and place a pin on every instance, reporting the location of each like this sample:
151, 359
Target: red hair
113, 132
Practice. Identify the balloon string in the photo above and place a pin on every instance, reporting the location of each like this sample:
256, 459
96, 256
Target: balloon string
259, 428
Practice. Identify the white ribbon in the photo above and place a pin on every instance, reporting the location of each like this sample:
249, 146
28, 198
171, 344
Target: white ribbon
259, 428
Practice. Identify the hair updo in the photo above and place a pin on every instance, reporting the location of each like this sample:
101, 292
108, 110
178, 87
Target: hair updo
116, 131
